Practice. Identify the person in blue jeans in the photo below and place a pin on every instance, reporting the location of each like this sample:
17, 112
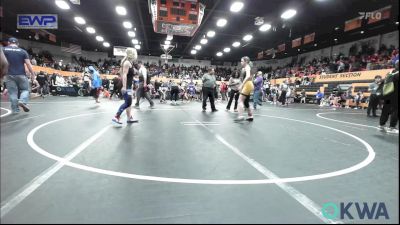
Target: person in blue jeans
257, 89
16, 78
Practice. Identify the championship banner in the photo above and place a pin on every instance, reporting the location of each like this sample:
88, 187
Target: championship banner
269, 51
309, 38
260, 55
380, 14
296, 42
282, 48
352, 24
52, 38
352, 76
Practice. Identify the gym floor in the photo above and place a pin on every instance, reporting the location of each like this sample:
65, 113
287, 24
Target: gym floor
65, 162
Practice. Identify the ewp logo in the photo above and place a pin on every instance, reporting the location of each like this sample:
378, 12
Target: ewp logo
37, 21
331, 210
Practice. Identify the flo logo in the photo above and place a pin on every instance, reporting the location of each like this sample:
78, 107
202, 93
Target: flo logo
375, 211
372, 15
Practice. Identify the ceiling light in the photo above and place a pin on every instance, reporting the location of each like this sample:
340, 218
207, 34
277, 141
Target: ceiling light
265, 27
91, 30
167, 42
197, 47
397, 23
135, 41
193, 52
219, 54
248, 37
131, 34
99, 38
127, 24
237, 6
288, 14
315, 45
236, 44
362, 32
227, 50
203, 41
79, 20
62, 4
337, 28
120, 10
298, 50
106, 44
137, 47
222, 22
211, 33
335, 39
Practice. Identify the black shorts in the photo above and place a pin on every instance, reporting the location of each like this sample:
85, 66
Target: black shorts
95, 92
246, 101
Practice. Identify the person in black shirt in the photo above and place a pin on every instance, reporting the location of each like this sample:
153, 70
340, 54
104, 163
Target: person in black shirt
127, 74
391, 102
16, 78
43, 85
105, 83
157, 86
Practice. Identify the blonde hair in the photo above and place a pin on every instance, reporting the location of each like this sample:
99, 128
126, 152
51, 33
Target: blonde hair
131, 54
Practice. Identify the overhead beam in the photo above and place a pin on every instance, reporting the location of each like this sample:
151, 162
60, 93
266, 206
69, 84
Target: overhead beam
139, 11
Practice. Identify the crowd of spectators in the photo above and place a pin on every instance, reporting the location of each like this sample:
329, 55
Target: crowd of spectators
366, 59
299, 71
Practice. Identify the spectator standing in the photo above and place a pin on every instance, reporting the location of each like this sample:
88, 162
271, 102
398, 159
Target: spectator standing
16, 78
234, 83
283, 88
374, 96
391, 103
257, 90
223, 90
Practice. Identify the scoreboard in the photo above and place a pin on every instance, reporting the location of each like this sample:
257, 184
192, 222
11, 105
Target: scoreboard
176, 17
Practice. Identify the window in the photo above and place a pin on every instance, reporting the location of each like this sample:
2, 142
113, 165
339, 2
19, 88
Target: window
163, 2
163, 13
193, 6
192, 17
176, 4
180, 12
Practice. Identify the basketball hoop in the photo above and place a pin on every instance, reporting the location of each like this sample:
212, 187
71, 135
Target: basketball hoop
167, 49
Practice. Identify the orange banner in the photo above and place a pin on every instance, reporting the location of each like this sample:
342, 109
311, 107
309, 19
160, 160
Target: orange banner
281, 48
353, 24
48, 70
309, 38
296, 42
260, 55
352, 76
